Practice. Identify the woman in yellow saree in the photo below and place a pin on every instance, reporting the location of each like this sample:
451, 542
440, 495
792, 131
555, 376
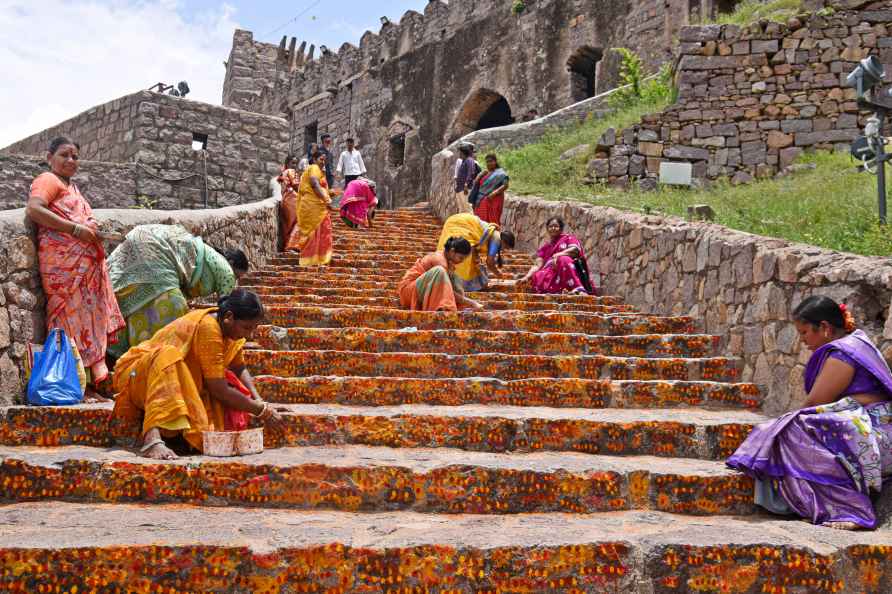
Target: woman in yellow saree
487, 242
190, 377
313, 228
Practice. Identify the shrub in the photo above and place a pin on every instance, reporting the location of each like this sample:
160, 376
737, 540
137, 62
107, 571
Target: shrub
638, 87
518, 7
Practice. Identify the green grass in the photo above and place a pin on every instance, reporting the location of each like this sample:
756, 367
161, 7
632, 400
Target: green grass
833, 206
750, 11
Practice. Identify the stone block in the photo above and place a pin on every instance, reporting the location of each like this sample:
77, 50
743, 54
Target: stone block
788, 156
599, 168
700, 33
779, 140
764, 46
619, 166
650, 149
636, 165
687, 152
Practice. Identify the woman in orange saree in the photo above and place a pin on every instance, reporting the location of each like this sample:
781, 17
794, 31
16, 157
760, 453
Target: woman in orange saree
289, 180
79, 293
313, 230
190, 377
431, 284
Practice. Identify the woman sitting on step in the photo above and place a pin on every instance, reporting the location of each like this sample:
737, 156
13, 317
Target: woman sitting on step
825, 461
560, 264
312, 234
190, 377
487, 242
358, 203
431, 284
157, 269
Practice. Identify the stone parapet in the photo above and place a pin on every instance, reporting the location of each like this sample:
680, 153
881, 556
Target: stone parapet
751, 99
251, 227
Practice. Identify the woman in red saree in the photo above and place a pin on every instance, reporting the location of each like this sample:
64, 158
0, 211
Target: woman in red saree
289, 181
358, 203
560, 264
79, 293
490, 189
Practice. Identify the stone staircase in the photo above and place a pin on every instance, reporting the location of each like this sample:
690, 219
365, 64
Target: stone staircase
547, 444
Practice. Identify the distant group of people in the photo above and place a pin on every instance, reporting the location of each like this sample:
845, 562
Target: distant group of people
307, 189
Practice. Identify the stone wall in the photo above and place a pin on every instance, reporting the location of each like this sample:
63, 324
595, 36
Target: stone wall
243, 150
752, 99
738, 286
252, 227
429, 79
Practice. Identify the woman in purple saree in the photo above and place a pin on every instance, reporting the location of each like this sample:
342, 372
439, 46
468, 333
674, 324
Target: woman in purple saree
825, 461
560, 264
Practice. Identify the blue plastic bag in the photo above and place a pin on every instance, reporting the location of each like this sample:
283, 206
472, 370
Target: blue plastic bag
54, 380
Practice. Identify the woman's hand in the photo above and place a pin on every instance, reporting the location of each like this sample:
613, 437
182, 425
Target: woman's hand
85, 233
525, 279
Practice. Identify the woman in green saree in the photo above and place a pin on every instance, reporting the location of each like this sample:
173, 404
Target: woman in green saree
157, 270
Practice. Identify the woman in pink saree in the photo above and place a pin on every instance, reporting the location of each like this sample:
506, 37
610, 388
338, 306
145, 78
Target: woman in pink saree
79, 293
358, 203
560, 264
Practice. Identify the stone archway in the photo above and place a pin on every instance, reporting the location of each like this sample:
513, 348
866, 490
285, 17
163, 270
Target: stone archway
583, 66
484, 108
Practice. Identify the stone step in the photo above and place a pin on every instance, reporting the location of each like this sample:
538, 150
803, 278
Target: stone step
357, 269
551, 392
391, 301
390, 319
489, 365
309, 281
483, 341
683, 433
397, 262
353, 478
176, 548
346, 251
485, 296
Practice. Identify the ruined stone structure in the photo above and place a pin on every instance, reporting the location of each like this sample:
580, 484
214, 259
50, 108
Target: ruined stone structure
432, 78
170, 153
751, 100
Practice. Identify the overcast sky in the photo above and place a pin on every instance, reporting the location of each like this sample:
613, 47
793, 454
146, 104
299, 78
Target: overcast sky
60, 57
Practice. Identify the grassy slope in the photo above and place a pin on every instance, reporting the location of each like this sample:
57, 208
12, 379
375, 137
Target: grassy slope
750, 11
832, 206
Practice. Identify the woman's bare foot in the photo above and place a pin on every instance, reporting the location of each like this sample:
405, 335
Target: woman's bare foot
155, 448
91, 396
841, 525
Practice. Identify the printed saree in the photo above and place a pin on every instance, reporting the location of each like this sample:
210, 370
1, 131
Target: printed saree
79, 294
289, 182
160, 383
358, 199
155, 271
314, 231
429, 286
825, 462
568, 275
489, 208
484, 239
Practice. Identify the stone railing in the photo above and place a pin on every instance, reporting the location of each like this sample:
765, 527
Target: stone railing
251, 227
738, 286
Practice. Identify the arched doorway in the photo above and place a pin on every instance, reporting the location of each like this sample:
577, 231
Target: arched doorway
725, 7
583, 67
485, 108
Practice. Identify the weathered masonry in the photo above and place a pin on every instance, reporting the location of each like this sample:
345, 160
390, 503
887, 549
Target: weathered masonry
417, 85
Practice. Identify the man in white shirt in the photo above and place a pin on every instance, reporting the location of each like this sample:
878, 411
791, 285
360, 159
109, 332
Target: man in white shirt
350, 164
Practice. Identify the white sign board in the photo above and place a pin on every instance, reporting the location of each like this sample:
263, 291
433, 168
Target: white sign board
676, 174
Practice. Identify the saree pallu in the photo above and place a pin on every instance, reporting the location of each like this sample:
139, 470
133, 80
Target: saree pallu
479, 233
79, 294
358, 199
314, 231
565, 276
428, 286
160, 383
823, 463
289, 182
490, 208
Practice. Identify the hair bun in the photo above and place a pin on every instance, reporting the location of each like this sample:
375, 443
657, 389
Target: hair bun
848, 319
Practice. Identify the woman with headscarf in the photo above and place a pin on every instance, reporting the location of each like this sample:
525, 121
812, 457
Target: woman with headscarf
157, 270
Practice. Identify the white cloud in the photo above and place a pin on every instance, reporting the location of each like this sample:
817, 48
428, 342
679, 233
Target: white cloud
60, 58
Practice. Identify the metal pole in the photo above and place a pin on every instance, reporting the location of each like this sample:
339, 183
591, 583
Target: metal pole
881, 170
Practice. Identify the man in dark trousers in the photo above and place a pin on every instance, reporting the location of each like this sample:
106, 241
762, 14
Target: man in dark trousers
325, 148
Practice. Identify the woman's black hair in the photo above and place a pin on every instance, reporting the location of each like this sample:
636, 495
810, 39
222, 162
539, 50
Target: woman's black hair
243, 304
464, 151
60, 141
493, 157
315, 156
557, 220
236, 258
459, 245
508, 239
289, 159
817, 309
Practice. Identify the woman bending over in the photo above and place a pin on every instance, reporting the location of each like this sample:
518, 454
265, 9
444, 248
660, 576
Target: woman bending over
431, 283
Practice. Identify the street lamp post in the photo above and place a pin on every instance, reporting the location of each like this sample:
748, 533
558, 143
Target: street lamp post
871, 148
